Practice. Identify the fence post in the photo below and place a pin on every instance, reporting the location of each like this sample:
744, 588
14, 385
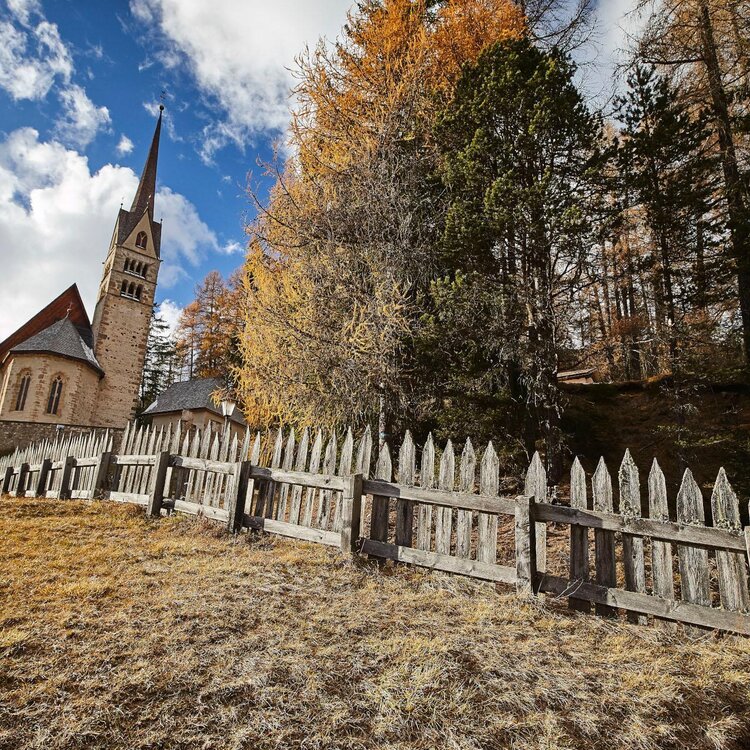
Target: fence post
7, 479
351, 513
67, 473
42, 479
23, 472
525, 545
100, 473
239, 496
156, 496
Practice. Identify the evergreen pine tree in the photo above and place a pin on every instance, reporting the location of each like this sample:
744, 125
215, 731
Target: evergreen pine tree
518, 147
664, 154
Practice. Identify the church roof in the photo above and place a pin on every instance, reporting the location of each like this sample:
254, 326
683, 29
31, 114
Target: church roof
68, 303
126, 223
143, 201
64, 339
144, 196
190, 394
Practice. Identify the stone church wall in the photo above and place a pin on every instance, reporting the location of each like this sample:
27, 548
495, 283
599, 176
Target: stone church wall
80, 389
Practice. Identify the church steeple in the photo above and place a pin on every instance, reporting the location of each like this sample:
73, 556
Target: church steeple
144, 196
122, 316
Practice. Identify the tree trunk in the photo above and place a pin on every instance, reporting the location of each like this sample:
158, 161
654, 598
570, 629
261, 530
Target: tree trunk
737, 210
666, 277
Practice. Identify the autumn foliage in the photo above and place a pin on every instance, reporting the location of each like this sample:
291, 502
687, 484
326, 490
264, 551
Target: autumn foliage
339, 254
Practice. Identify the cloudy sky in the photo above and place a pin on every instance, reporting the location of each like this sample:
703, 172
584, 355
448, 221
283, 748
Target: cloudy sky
80, 83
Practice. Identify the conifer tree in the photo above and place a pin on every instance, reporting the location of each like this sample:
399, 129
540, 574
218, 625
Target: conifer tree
663, 155
162, 364
518, 149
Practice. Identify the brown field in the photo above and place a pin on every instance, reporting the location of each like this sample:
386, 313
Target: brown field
122, 632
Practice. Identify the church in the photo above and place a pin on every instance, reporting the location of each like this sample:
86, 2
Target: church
60, 368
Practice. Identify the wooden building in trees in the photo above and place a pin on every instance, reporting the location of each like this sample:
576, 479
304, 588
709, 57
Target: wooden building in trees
59, 368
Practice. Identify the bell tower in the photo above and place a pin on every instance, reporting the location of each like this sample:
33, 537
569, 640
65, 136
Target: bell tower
122, 316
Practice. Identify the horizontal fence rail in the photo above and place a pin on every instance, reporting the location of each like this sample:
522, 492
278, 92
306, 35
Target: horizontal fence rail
614, 549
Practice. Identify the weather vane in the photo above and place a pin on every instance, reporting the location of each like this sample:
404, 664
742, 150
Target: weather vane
162, 98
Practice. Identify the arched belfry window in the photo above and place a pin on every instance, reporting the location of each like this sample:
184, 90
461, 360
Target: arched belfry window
124, 289
23, 390
138, 292
55, 391
141, 240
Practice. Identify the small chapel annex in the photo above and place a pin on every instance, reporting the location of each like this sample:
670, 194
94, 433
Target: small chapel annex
61, 368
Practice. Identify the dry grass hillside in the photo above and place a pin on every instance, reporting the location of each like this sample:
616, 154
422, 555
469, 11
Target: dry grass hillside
122, 632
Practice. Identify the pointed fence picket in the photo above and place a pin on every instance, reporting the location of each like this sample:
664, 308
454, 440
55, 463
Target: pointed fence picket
579, 538
632, 546
489, 485
444, 514
426, 480
344, 470
535, 486
466, 484
404, 507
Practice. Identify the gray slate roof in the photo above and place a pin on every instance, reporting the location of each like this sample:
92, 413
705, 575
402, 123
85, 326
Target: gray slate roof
191, 394
65, 339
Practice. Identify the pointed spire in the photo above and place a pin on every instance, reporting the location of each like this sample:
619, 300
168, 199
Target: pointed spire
144, 196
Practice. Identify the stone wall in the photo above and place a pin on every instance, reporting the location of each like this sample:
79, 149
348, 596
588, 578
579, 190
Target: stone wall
80, 386
20, 434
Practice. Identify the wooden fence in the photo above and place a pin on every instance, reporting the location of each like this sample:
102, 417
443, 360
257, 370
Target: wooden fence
613, 547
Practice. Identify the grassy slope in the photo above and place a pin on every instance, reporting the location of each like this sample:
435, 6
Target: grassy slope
117, 631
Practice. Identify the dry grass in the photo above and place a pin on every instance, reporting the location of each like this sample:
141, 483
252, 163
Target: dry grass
120, 632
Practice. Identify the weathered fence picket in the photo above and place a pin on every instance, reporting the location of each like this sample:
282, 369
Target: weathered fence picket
536, 486
604, 541
725, 509
489, 484
426, 480
579, 538
379, 517
314, 468
695, 583
405, 508
632, 546
444, 515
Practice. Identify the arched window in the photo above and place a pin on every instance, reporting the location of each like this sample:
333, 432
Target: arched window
55, 391
124, 289
127, 265
138, 292
144, 270
131, 290
23, 390
138, 269
141, 240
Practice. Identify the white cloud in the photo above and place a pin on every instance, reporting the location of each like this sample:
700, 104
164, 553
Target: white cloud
34, 60
617, 23
231, 248
240, 55
23, 9
81, 119
51, 204
125, 146
31, 60
169, 312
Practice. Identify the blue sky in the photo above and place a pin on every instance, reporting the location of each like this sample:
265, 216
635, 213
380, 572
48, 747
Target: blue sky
80, 82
